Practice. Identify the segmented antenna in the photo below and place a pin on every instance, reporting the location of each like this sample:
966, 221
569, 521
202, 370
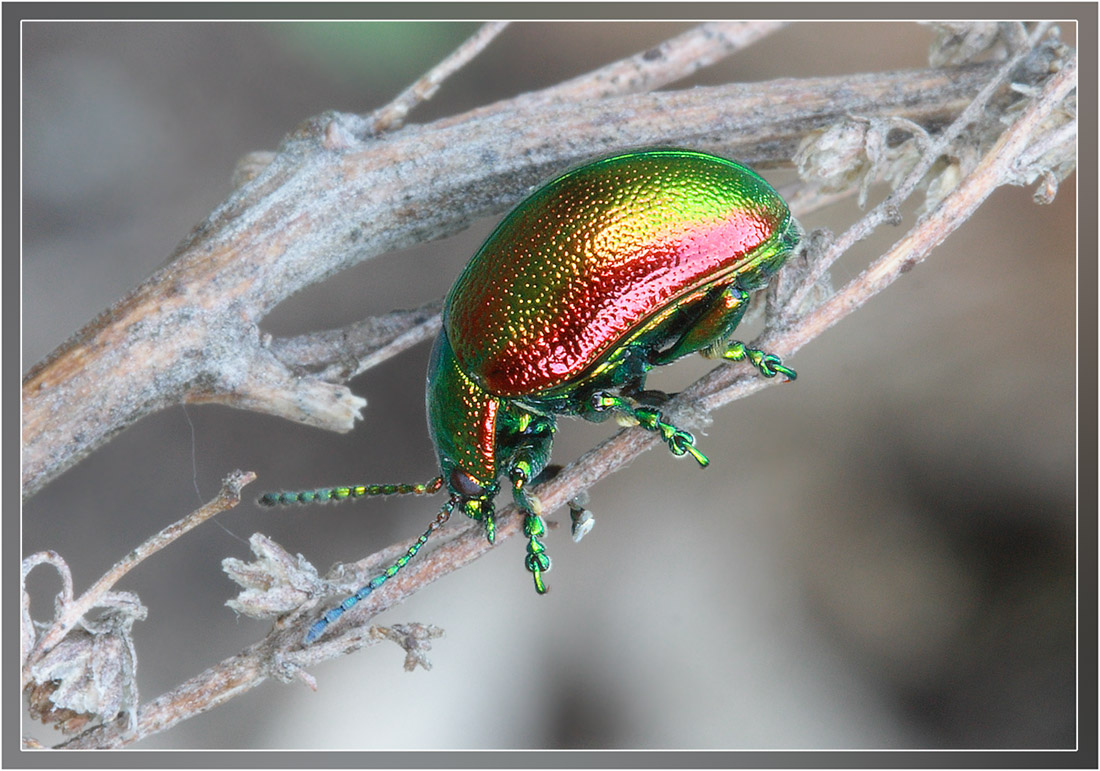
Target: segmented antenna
332, 614
327, 494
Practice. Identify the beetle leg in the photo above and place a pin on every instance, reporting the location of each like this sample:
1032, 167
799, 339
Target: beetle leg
716, 322
537, 560
482, 509
679, 441
715, 325
580, 517
768, 364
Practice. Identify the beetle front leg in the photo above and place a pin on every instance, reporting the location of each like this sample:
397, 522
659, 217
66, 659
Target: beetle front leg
581, 519
679, 441
537, 560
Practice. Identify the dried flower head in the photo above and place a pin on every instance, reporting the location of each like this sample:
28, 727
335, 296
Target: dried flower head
88, 676
859, 151
275, 583
962, 42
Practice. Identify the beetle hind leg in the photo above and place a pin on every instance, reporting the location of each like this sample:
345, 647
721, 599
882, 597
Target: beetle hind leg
679, 441
719, 315
710, 335
768, 364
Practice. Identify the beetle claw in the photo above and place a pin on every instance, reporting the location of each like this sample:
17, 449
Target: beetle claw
683, 443
700, 458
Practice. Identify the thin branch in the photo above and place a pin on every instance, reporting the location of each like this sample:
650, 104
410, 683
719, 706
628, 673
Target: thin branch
668, 62
393, 115
341, 354
672, 60
999, 166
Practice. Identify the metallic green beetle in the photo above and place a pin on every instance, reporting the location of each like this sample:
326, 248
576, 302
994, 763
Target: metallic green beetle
618, 266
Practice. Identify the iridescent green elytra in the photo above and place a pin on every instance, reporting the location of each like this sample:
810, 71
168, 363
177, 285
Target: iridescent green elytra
621, 265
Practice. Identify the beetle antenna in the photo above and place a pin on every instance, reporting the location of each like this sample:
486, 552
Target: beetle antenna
327, 494
332, 614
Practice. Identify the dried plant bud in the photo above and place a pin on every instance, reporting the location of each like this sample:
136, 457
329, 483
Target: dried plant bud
275, 583
88, 676
962, 42
857, 151
41, 706
946, 175
835, 158
1047, 58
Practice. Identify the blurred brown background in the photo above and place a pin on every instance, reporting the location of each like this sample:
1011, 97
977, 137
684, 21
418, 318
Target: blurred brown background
881, 555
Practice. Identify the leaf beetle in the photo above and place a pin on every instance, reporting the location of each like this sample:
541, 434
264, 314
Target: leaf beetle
621, 265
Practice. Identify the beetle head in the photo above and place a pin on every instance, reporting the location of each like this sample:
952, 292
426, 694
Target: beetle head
475, 498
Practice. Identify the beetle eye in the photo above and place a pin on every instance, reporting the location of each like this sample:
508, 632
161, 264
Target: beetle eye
464, 484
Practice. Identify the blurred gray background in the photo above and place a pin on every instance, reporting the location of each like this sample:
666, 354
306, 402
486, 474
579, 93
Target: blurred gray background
881, 555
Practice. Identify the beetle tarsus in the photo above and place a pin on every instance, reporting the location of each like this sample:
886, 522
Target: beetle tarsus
537, 560
679, 441
768, 364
